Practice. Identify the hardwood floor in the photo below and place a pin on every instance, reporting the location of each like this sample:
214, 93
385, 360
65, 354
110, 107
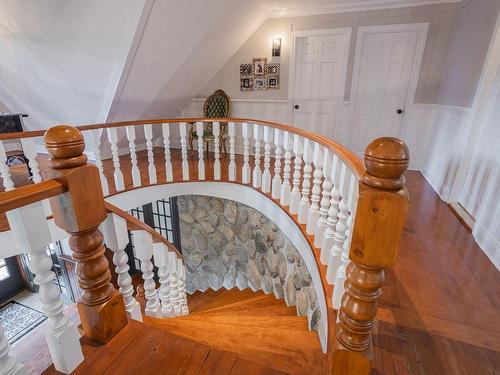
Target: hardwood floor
141, 349
440, 308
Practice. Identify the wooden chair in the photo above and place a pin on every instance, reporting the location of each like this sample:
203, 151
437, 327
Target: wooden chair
217, 105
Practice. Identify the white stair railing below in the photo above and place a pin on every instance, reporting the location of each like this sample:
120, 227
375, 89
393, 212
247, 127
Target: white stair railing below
31, 232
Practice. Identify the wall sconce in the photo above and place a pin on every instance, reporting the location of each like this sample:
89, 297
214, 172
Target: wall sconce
276, 47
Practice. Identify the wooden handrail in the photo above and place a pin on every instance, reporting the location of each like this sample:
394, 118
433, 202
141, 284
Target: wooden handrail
157, 237
350, 158
24, 195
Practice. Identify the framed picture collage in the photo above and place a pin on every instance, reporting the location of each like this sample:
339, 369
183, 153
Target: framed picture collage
259, 75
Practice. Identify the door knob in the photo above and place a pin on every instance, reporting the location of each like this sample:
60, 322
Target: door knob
399, 111
296, 106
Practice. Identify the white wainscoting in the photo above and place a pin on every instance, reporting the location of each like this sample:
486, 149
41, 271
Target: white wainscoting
445, 145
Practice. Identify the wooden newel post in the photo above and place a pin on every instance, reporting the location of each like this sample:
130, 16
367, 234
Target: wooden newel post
380, 217
80, 211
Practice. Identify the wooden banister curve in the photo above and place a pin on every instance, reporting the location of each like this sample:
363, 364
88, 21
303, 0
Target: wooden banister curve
157, 237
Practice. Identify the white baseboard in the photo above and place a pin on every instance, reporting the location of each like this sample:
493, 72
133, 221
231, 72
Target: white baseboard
487, 243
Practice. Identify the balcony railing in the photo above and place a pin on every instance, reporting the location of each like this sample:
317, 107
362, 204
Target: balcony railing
352, 214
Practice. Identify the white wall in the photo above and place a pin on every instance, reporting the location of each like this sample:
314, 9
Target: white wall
61, 59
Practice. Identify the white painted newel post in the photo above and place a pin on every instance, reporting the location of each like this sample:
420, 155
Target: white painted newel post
114, 230
143, 243
246, 154
31, 232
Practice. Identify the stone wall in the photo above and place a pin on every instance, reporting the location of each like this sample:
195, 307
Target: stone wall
228, 244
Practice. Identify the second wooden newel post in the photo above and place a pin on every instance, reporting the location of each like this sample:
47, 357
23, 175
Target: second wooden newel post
79, 212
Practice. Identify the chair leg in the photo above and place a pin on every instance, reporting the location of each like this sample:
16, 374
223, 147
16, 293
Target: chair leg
191, 145
223, 142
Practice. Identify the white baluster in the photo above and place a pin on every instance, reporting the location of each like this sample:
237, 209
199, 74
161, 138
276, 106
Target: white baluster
257, 172
31, 232
276, 183
136, 175
185, 164
297, 166
29, 149
216, 132
340, 277
246, 153
313, 212
201, 161
232, 151
326, 191
266, 175
306, 182
285, 186
4, 169
181, 286
339, 237
148, 133
143, 243
118, 176
333, 212
161, 261
114, 230
96, 149
169, 173
8, 364
174, 289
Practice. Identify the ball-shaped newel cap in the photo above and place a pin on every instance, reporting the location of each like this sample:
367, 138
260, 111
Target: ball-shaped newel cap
66, 144
386, 159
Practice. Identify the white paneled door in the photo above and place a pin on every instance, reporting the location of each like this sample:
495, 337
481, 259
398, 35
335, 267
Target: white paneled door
385, 75
318, 78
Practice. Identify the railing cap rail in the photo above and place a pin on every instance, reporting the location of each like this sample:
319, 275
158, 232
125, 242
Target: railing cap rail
24, 195
353, 161
139, 224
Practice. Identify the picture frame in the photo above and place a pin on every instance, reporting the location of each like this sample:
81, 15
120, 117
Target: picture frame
260, 84
273, 82
246, 84
259, 66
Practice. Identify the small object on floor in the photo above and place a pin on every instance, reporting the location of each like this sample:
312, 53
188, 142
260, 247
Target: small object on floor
140, 290
18, 319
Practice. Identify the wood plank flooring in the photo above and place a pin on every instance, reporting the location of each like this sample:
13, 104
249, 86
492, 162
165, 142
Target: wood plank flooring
440, 308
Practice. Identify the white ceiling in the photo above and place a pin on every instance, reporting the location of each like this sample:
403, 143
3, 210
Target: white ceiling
287, 8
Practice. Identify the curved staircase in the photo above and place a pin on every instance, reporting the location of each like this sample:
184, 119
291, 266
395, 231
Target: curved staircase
252, 325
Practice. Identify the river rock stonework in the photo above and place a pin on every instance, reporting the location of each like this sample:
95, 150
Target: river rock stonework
227, 244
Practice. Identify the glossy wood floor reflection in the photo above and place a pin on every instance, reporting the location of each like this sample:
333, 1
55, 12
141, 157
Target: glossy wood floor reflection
440, 308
